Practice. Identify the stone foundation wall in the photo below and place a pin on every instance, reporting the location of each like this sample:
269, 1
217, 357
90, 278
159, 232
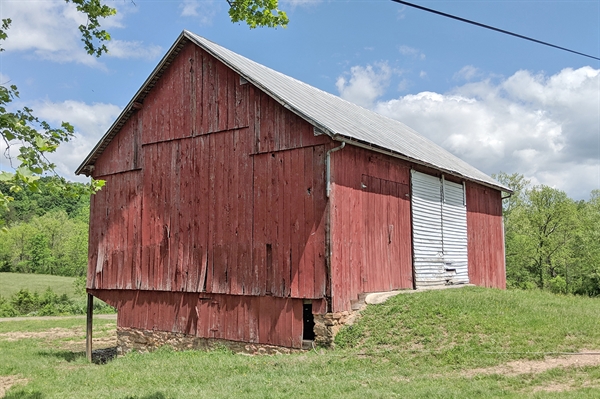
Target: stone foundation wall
129, 339
326, 328
328, 325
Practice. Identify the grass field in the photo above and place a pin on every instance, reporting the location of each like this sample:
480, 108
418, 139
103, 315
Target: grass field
464, 343
13, 282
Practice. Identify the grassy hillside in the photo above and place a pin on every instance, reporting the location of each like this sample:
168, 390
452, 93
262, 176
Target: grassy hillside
438, 344
475, 327
13, 282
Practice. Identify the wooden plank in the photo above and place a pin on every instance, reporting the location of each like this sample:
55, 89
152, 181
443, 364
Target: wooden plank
241, 103
245, 216
213, 205
204, 209
252, 319
222, 96
219, 221
319, 209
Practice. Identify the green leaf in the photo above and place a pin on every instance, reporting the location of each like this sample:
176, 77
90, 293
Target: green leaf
6, 176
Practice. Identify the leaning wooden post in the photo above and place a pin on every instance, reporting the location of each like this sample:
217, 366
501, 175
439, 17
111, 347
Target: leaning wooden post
89, 325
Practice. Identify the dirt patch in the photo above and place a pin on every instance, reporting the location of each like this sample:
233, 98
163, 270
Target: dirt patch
6, 382
100, 342
554, 387
519, 367
55, 333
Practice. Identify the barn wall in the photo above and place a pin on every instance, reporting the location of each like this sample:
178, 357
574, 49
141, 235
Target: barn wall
370, 225
123, 154
115, 235
226, 192
485, 236
265, 320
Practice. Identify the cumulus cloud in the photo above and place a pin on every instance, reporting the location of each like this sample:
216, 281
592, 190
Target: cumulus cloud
49, 29
545, 127
90, 123
364, 84
132, 49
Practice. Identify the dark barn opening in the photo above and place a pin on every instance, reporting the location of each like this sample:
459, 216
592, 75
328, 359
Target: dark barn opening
308, 331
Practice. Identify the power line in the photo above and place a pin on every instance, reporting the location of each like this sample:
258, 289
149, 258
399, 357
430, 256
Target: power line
492, 28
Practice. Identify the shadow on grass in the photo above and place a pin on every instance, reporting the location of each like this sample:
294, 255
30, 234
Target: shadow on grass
156, 395
64, 355
24, 395
99, 356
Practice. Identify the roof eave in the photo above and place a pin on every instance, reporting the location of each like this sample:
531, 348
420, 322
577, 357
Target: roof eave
386, 151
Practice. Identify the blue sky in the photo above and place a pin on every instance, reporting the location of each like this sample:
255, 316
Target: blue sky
500, 103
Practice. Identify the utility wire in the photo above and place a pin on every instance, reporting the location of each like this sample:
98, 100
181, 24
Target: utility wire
492, 28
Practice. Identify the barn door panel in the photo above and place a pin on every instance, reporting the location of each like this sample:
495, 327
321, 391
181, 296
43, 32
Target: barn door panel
427, 230
454, 222
439, 231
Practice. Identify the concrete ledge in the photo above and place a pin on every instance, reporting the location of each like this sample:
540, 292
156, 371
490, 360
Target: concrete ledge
376, 298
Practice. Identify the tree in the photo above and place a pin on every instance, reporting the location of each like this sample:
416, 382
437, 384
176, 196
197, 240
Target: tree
518, 184
257, 13
552, 242
585, 274
35, 138
552, 223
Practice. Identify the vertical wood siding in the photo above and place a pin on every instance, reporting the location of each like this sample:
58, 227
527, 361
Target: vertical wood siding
115, 232
212, 189
265, 320
289, 212
370, 225
124, 151
485, 236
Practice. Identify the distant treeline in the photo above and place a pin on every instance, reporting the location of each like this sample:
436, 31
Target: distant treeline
552, 241
45, 231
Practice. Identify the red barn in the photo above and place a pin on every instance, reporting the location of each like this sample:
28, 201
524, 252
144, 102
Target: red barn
244, 205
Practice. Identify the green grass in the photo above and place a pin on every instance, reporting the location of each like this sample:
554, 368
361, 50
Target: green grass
13, 282
476, 326
413, 346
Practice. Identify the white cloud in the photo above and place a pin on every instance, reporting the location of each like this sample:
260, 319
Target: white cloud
90, 123
365, 84
411, 52
132, 49
545, 127
49, 30
467, 73
204, 11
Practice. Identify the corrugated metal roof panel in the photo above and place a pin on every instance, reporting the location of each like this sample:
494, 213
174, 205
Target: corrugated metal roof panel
336, 117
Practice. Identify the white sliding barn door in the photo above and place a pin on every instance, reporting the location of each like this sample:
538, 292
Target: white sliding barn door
439, 218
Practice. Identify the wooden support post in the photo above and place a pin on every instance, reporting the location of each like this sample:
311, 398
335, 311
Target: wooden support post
89, 325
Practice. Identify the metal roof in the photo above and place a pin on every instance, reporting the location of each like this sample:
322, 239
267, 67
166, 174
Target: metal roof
338, 118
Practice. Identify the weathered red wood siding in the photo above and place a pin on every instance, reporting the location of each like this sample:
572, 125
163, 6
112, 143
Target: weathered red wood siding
485, 236
370, 225
211, 187
266, 320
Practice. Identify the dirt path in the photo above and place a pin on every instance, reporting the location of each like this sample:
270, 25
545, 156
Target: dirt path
96, 316
518, 367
